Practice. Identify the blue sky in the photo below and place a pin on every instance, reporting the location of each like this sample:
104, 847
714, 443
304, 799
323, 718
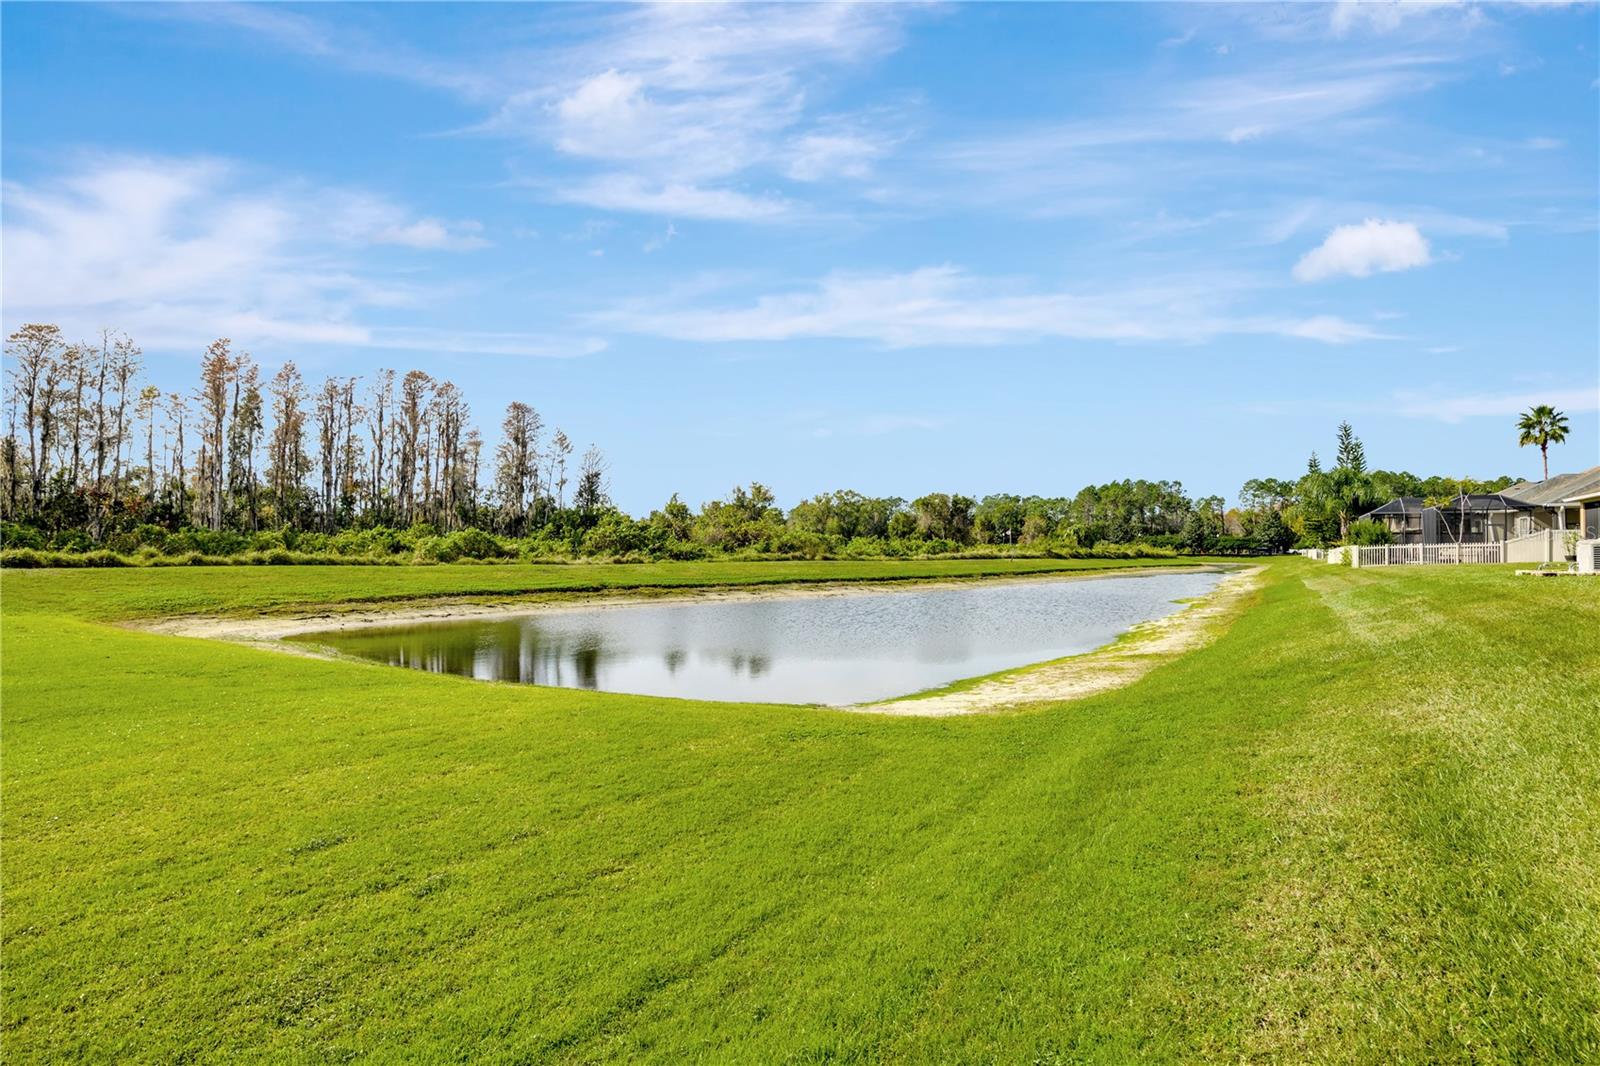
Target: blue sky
897, 248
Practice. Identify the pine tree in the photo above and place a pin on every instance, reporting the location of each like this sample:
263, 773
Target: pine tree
1351, 455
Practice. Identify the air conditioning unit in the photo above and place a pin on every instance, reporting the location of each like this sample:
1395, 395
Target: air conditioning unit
1589, 556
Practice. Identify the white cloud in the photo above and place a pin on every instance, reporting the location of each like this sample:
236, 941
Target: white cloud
682, 105
942, 306
1359, 250
692, 101
1454, 408
362, 218
1545, 144
1330, 329
821, 155
1388, 16
626, 192
177, 252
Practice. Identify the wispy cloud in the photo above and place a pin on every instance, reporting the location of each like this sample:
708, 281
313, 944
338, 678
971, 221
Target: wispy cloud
633, 193
871, 425
1447, 407
179, 251
668, 109
1388, 16
943, 305
655, 244
679, 106
1152, 148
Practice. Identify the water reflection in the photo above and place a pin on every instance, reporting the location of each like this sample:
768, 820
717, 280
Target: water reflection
863, 645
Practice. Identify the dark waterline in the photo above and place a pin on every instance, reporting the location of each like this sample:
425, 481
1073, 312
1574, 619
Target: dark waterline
854, 647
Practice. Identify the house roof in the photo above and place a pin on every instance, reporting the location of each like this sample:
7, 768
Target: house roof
1583, 484
1484, 503
1400, 505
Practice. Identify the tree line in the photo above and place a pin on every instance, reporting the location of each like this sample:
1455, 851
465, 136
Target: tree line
91, 449
393, 466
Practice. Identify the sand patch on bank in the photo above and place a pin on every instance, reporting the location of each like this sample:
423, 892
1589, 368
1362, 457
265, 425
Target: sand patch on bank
1123, 662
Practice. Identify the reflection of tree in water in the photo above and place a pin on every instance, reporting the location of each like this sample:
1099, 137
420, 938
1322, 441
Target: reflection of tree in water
439, 650
586, 660
749, 665
675, 658
504, 651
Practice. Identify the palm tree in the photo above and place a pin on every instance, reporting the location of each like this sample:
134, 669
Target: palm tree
1542, 425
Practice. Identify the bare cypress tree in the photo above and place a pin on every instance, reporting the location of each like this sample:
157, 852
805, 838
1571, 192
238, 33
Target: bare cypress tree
101, 439
244, 434
32, 351
145, 411
216, 377
51, 414
380, 407
451, 413
474, 454
74, 415
516, 464
560, 450
329, 440
10, 455
125, 366
350, 415
287, 464
415, 389
177, 478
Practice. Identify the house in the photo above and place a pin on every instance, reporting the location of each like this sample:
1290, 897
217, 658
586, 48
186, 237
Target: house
1482, 517
1475, 518
1564, 502
1408, 519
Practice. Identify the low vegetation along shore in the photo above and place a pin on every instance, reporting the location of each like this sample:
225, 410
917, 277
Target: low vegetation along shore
1360, 824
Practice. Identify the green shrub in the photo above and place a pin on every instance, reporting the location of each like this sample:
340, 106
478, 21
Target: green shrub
1368, 531
13, 535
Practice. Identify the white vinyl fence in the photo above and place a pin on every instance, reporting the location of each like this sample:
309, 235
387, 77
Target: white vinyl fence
1545, 546
1426, 554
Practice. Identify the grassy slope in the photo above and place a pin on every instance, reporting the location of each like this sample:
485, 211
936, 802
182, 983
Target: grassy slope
1364, 825
133, 593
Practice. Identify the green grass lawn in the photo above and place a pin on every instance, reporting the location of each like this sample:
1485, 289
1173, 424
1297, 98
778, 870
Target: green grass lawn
1363, 825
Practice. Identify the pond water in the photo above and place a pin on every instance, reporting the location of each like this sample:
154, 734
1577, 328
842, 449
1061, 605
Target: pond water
849, 647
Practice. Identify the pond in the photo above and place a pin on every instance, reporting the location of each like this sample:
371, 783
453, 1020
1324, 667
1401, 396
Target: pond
841, 647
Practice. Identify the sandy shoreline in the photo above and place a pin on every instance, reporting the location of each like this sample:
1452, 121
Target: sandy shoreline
1122, 662
1112, 666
